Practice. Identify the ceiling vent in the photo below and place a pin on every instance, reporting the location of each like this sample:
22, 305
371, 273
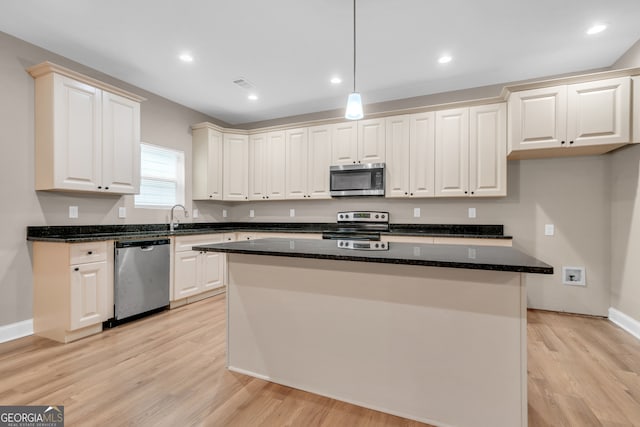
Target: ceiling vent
244, 83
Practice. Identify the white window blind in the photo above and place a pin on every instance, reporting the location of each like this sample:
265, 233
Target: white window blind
161, 177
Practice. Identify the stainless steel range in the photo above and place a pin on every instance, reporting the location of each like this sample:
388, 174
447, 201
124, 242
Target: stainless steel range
359, 230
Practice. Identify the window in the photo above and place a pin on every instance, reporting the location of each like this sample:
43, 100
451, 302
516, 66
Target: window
161, 177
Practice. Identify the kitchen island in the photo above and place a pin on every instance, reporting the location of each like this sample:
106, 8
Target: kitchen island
435, 333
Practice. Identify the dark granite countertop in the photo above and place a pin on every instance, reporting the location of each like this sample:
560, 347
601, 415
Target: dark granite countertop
452, 256
87, 233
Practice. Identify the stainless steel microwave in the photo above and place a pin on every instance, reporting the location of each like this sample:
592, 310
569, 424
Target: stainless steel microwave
357, 180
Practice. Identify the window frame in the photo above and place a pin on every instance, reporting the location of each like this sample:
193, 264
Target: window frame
179, 180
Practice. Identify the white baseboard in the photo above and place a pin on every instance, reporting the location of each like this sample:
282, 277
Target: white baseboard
626, 322
16, 330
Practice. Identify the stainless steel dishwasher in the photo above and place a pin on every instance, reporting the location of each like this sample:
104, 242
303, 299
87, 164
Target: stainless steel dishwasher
141, 277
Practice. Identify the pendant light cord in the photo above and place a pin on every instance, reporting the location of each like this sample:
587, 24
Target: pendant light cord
354, 45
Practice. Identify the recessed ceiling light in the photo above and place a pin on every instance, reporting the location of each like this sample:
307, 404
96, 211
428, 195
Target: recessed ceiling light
597, 28
336, 80
253, 97
185, 57
444, 59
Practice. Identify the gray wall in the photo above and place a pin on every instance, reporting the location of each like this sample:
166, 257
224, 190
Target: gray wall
572, 193
162, 122
625, 216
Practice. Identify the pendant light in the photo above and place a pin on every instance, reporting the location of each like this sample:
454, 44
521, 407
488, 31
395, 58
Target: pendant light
354, 103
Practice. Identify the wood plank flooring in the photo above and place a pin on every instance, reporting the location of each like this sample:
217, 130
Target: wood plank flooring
168, 370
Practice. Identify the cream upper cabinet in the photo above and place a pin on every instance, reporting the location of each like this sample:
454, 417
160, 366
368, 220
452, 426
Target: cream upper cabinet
410, 155
452, 152
87, 137
207, 163
576, 115
636, 109
488, 150
235, 181
371, 141
344, 143
470, 147
266, 166
318, 162
297, 153
358, 142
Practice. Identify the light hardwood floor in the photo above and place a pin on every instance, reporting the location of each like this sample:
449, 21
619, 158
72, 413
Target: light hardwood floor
168, 370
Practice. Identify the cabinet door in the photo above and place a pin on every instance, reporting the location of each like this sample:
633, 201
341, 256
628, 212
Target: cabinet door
537, 118
398, 156
88, 294
258, 165
452, 152
422, 155
599, 112
371, 141
212, 270
318, 162
276, 166
185, 280
120, 144
296, 163
207, 164
636, 110
488, 150
77, 135
236, 167
344, 143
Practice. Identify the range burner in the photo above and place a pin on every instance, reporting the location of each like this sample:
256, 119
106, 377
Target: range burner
359, 225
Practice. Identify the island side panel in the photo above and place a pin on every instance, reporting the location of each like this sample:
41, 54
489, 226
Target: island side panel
438, 345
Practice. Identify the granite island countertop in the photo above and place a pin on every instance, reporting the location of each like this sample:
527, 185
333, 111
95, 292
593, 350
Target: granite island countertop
87, 233
452, 256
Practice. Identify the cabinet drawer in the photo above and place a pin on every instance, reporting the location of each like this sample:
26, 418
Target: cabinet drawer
184, 243
82, 253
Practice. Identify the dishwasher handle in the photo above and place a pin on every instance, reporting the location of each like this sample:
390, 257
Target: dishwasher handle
146, 248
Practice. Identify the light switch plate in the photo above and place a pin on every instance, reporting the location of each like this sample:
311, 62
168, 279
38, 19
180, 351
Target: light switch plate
472, 212
224, 213
196, 213
416, 212
73, 212
252, 213
549, 230
122, 212
292, 212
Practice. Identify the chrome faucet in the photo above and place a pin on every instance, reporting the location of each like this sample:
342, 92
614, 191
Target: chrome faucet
174, 223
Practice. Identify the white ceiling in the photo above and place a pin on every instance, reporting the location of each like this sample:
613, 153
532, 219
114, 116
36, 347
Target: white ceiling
289, 49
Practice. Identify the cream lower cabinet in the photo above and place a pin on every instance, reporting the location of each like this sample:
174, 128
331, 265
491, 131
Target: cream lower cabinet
87, 133
73, 289
197, 272
570, 116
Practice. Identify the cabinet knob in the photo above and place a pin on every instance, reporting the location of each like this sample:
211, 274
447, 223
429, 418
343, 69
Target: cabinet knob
561, 142
106, 188
411, 194
466, 192
570, 142
473, 192
210, 196
405, 193
90, 253
267, 197
354, 161
99, 187
76, 269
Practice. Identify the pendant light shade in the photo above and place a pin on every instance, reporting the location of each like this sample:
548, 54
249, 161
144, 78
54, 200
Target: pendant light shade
354, 103
354, 107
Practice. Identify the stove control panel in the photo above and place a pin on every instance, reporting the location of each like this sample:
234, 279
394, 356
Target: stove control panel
365, 245
363, 216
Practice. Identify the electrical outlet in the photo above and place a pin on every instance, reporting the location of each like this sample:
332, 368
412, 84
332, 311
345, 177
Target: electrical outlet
224, 213
73, 212
122, 212
292, 212
252, 213
416, 212
574, 276
196, 213
472, 212
549, 230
